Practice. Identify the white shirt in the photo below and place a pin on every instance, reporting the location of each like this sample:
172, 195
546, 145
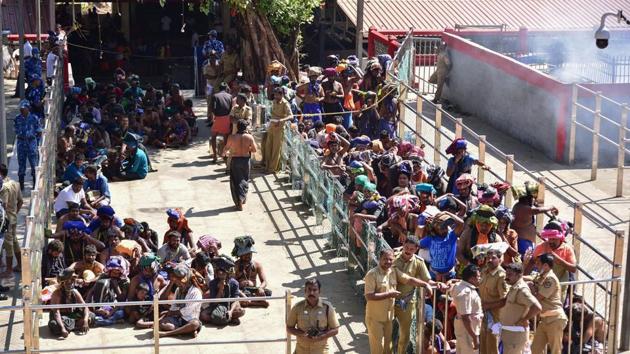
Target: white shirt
96, 115
68, 195
189, 311
28, 49
51, 59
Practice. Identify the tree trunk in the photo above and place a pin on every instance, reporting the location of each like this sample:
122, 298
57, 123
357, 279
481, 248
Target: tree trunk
261, 46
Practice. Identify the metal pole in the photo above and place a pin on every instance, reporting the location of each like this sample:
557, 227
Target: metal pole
573, 125
438, 138
624, 343
614, 305
359, 32
540, 218
51, 15
458, 127
482, 158
20, 8
621, 152
3, 113
287, 309
597, 116
156, 324
509, 175
577, 232
38, 17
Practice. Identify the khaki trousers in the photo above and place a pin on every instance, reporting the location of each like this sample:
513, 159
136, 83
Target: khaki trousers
488, 342
549, 333
514, 342
273, 147
464, 340
404, 326
380, 335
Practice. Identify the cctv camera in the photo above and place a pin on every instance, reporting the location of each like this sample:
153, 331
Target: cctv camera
601, 38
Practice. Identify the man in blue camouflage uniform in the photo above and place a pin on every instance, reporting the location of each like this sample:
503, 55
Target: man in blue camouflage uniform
213, 44
27, 130
32, 65
35, 94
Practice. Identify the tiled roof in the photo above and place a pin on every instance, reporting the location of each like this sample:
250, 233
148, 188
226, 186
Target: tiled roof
439, 14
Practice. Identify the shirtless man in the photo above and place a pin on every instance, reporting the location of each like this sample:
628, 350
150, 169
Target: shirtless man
62, 321
74, 214
524, 222
312, 94
248, 272
240, 147
333, 162
88, 264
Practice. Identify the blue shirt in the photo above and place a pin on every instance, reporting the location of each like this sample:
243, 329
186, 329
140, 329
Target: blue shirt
32, 65
72, 172
442, 251
213, 44
27, 127
99, 184
140, 164
464, 166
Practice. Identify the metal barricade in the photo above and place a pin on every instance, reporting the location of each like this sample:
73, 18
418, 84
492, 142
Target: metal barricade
32, 348
588, 113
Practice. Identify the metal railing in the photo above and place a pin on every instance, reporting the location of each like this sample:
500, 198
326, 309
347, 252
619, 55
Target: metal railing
33, 346
580, 317
40, 208
581, 109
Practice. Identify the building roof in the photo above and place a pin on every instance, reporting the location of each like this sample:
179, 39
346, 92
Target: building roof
440, 14
10, 16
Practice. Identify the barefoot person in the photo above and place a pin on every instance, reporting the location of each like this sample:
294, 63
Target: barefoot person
248, 272
63, 321
182, 318
240, 147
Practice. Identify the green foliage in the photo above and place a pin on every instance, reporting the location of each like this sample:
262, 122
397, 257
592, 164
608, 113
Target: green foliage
286, 16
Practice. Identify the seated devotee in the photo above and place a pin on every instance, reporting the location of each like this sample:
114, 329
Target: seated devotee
111, 286
248, 272
73, 214
148, 278
96, 187
75, 238
173, 251
142, 315
88, 269
136, 164
105, 224
65, 320
182, 318
113, 239
149, 236
53, 262
177, 222
222, 286
72, 193
75, 170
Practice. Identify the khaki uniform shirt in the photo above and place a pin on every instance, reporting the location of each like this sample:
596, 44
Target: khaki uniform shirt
548, 286
468, 302
11, 195
518, 301
305, 316
378, 280
244, 112
414, 268
280, 110
493, 288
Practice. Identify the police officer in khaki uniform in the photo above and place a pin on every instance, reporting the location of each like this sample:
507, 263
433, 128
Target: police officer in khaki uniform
546, 288
492, 291
380, 293
469, 310
312, 321
412, 265
520, 307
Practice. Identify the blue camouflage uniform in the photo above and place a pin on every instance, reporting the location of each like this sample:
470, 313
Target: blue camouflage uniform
213, 44
35, 96
27, 129
32, 66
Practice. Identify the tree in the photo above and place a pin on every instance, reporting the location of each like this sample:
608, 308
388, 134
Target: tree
269, 30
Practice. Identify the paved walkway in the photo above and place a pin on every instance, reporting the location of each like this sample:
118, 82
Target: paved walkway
287, 241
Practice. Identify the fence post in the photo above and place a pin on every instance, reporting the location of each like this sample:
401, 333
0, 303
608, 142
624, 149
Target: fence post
156, 324
482, 158
420, 320
577, 232
458, 127
438, 136
509, 174
402, 112
597, 116
287, 309
621, 154
540, 199
615, 293
419, 102
574, 100
625, 316
27, 294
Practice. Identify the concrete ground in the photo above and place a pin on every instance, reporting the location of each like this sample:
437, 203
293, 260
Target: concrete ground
288, 245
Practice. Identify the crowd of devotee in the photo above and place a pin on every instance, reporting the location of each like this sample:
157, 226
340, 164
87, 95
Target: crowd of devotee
449, 235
